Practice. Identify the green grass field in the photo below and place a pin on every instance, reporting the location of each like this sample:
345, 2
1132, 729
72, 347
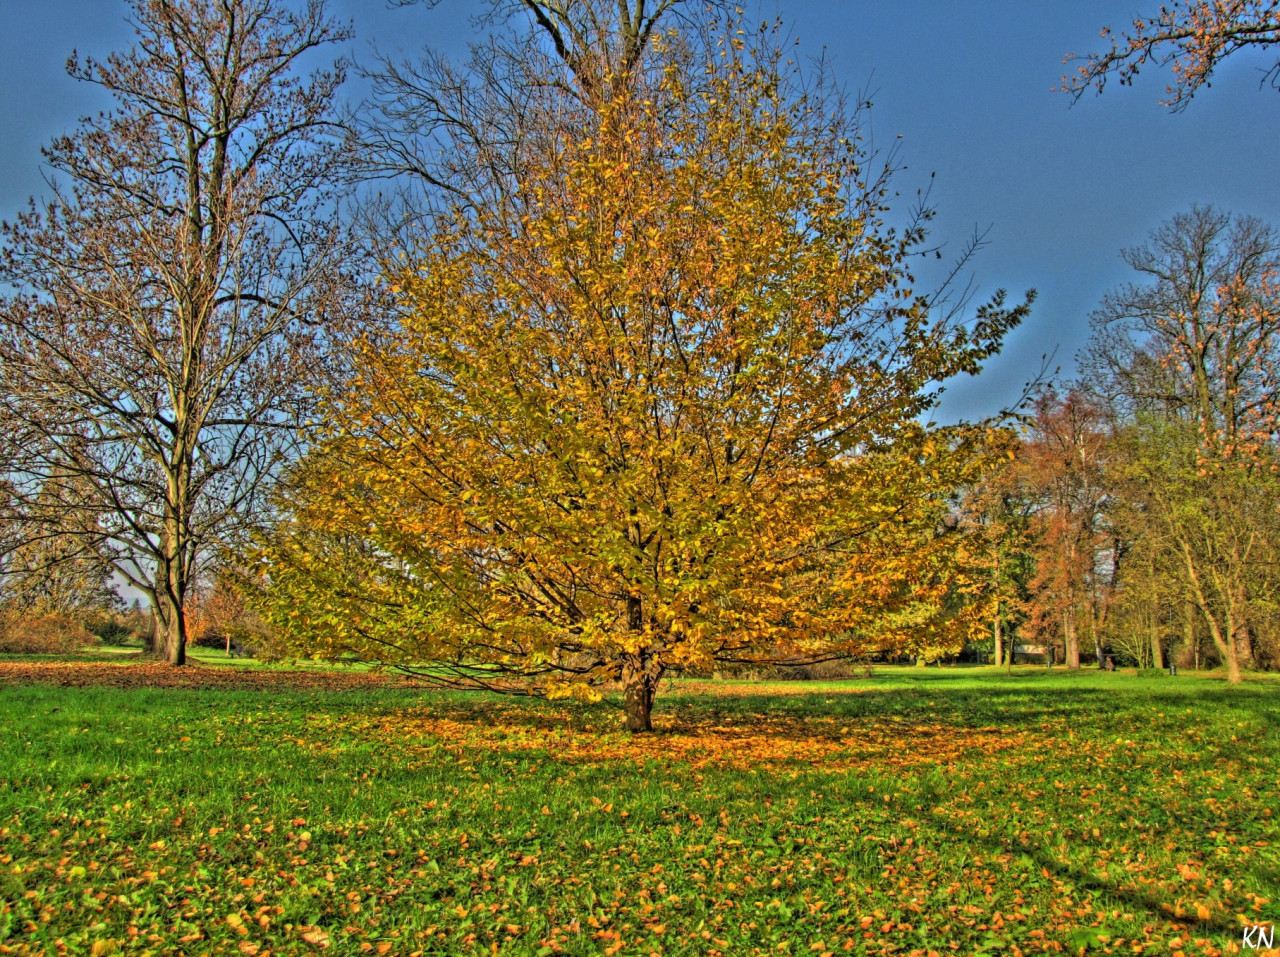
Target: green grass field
921, 810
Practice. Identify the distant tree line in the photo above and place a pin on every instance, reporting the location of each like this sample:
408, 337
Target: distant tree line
1139, 515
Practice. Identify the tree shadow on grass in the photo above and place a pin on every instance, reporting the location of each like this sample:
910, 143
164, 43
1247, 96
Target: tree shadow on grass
821, 712
1155, 906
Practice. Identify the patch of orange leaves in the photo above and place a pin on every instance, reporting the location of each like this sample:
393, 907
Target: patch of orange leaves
773, 742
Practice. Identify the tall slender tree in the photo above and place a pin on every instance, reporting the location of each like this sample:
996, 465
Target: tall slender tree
161, 303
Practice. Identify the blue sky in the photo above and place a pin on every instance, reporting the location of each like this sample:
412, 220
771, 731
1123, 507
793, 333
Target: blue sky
967, 85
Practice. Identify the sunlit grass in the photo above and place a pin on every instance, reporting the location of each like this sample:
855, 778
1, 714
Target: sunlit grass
919, 810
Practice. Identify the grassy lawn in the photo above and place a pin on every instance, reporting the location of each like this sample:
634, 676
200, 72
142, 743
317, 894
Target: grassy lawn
952, 811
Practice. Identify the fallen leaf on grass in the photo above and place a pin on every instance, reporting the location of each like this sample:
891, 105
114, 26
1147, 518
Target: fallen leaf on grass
317, 938
791, 741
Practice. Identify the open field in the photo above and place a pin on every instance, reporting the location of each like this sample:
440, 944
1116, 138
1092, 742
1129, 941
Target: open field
918, 811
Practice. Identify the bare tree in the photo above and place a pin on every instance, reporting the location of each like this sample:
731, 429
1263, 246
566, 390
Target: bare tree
1199, 337
161, 304
44, 569
602, 44
444, 133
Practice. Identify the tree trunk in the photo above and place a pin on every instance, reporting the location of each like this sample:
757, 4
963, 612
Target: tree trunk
176, 640
639, 676
1233, 667
1223, 638
1071, 638
1244, 646
1225, 643
174, 564
999, 638
1157, 655
637, 697
170, 640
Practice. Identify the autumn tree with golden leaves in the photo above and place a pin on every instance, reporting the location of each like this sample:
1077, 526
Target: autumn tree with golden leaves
998, 515
656, 405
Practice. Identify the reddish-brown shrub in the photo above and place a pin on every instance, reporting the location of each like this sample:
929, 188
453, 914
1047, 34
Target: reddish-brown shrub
43, 635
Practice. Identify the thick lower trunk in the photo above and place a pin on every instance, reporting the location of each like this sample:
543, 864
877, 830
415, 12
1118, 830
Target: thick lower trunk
1223, 641
1222, 633
1223, 637
176, 640
1233, 668
637, 699
640, 673
1157, 654
176, 557
169, 639
1070, 637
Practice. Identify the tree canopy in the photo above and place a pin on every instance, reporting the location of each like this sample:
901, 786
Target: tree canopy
659, 406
